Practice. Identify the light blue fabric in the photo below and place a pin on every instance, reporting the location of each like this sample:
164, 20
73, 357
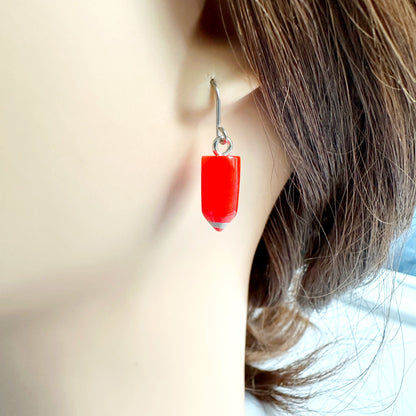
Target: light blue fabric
405, 260
253, 406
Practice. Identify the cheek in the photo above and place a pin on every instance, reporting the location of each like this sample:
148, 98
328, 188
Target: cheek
81, 166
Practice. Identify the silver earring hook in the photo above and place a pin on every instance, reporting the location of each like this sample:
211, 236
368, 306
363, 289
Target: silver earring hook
214, 84
221, 135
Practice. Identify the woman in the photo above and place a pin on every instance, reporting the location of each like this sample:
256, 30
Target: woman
117, 296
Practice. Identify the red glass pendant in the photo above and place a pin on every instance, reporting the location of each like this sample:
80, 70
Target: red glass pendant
220, 187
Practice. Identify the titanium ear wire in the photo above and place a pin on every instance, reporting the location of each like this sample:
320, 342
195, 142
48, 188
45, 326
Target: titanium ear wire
222, 136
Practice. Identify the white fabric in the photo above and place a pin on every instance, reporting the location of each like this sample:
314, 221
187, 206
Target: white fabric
253, 406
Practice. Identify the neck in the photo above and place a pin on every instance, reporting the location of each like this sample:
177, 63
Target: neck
167, 337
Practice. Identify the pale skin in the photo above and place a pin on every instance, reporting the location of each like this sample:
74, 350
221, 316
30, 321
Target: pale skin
116, 295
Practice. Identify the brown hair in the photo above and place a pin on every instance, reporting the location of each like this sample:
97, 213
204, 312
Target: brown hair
337, 80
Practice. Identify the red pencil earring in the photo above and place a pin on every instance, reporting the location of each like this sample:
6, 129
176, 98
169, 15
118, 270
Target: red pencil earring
220, 178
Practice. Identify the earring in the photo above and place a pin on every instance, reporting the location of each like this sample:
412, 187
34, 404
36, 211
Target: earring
220, 178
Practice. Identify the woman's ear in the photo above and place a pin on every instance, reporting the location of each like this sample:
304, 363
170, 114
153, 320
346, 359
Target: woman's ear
212, 52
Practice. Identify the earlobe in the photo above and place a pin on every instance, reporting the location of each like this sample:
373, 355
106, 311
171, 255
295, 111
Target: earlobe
235, 85
212, 49
203, 61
